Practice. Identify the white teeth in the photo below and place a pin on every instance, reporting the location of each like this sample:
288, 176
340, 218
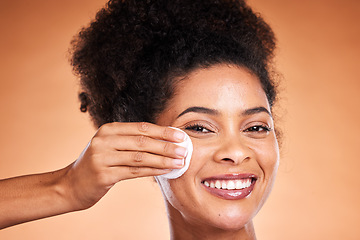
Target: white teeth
228, 184
248, 183
217, 184
231, 185
238, 184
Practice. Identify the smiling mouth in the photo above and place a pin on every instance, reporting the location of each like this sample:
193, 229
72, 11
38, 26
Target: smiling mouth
230, 187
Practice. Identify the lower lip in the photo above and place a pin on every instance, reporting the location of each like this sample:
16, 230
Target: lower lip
234, 194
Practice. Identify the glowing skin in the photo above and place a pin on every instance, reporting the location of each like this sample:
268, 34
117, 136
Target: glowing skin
225, 112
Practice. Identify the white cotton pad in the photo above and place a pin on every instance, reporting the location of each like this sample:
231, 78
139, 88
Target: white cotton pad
175, 173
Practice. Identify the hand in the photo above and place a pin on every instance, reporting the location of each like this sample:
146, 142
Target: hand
120, 151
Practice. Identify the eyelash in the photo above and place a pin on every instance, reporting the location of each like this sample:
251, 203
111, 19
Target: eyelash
196, 127
258, 128
199, 128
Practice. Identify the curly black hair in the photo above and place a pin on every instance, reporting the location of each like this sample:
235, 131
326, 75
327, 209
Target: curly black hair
129, 56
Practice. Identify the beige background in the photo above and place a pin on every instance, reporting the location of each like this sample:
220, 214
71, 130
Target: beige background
316, 195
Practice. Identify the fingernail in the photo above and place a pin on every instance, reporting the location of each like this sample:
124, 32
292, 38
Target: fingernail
179, 135
181, 151
178, 162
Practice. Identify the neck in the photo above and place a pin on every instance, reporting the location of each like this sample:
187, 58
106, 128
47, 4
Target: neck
185, 229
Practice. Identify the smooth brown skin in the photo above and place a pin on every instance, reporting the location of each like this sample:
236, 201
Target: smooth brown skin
224, 146
121, 151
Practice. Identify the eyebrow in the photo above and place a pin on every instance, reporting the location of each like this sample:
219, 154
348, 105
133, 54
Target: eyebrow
199, 110
255, 110
210, 111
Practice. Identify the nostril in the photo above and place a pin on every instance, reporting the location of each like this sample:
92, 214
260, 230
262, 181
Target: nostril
234, 160
228, 159
232, 153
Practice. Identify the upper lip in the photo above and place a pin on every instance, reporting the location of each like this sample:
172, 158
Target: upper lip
231, 176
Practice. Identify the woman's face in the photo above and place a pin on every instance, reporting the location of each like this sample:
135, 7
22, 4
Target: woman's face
225, 112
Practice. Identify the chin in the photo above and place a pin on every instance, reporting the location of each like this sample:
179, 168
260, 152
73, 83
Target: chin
232, 220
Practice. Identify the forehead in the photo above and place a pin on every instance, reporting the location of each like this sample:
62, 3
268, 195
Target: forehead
220, 86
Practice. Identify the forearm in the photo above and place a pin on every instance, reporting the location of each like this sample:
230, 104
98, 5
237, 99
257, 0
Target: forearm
32, 197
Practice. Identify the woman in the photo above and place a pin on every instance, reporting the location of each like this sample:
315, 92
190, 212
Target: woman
200, 66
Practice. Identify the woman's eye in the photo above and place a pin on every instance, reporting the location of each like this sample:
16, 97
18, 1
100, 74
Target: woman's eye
258, 128
198, 128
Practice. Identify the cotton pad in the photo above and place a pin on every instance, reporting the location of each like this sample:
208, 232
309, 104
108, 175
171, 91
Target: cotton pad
175, 173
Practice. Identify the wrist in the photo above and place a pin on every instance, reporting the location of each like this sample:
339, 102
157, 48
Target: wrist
63, 189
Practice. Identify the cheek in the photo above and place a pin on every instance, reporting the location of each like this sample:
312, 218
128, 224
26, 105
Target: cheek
179, 196
172, 191
182, 191
268, 159
202, 154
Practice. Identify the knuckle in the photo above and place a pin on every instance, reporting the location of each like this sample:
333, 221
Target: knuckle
105, 128
135, 171
166, 147
138, 157
143, 126
97, 142
165, 162
166, 133
141, 141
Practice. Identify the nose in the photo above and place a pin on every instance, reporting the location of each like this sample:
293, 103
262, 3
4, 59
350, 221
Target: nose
233, 151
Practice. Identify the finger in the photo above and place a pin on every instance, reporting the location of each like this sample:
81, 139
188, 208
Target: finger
142, 159
122, 173
142, 128
140, 144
